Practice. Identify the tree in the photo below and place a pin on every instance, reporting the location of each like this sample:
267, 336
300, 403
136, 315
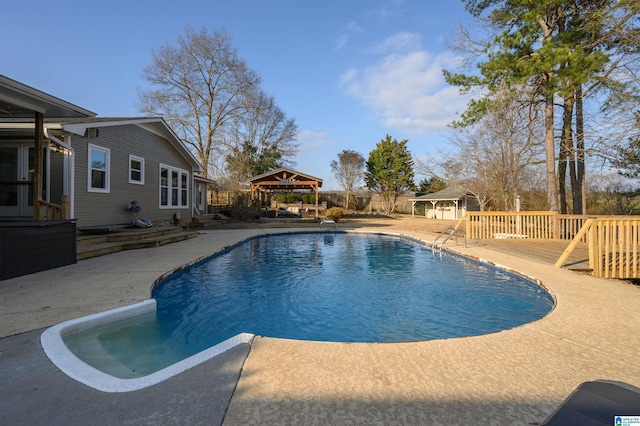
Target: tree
200, 85
259, 140
627, 158
611, 194
349, 171
390, 171
497, 157
431, 185
552, 48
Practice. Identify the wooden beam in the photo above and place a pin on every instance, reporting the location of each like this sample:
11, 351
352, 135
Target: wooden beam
563, 258
316, 191
37, 172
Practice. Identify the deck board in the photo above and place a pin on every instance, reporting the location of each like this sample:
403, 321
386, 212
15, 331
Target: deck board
545, 251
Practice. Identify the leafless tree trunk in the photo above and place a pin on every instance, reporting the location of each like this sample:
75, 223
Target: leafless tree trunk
198, 86
348, 170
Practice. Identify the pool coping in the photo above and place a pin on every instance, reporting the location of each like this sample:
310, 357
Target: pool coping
52, 339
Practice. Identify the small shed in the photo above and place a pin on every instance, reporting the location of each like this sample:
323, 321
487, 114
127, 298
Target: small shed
450, 203
285, 180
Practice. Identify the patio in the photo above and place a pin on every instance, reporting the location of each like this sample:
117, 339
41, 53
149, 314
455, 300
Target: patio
517, 376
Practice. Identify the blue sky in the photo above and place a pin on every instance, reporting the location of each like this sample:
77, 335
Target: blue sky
349, 71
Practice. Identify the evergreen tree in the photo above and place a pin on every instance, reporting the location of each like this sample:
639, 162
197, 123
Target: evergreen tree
390, 171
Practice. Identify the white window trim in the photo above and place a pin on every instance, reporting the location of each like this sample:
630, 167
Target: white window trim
107, 151
141, 160
171, 169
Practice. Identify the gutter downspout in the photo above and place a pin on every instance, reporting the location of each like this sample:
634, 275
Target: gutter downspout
69, 170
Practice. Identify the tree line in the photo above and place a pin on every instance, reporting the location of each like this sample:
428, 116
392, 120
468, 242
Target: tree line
554, 87
554, 82
215, 103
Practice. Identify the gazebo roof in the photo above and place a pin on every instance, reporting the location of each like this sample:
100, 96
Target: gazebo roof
448, 194
285, 179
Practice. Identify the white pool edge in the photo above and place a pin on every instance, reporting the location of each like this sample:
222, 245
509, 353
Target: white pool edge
54, 347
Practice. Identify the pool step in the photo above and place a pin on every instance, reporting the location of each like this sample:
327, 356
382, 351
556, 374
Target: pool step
89, 246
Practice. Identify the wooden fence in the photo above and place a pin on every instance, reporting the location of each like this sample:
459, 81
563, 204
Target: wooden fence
614, 241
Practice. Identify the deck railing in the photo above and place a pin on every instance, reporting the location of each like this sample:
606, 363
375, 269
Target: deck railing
538, 225
615, 251
499, 225
614, 241
52, 211
570, 225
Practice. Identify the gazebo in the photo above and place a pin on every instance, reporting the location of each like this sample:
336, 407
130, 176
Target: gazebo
450, 203
284, 180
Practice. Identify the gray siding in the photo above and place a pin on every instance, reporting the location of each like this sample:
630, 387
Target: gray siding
97, 209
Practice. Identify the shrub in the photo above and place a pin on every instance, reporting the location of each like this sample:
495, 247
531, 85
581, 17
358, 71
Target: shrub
289, 197
309, 198
334, 213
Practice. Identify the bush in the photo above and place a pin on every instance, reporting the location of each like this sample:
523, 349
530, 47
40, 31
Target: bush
309, 198
289, 197
244, 214
334, 213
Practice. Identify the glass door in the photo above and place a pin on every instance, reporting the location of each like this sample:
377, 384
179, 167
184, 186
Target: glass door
16, 180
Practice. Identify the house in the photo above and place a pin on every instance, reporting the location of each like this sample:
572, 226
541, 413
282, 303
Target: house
450, 203
94, 167
60, 164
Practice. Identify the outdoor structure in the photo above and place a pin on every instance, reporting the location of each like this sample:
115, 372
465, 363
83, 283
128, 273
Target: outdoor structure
61, 166
284, 180
450, 203
29, 242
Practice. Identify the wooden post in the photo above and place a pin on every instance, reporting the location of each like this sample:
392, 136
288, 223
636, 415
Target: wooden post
66, 207
315, 187
37, 175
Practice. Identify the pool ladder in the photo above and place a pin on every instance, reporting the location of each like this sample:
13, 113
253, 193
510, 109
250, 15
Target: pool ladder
447, 233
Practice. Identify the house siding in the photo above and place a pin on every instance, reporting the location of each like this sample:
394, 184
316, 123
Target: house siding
100, 209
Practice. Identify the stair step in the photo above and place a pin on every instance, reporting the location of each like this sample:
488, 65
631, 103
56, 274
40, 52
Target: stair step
160, 240
93, 246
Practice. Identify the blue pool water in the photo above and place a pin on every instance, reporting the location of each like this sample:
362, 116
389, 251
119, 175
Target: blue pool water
324, 286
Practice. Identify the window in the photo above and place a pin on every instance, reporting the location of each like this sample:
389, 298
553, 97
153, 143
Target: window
136, 170
98, 169
174, 187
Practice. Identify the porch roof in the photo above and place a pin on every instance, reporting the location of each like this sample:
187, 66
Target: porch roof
19, 100
79, 126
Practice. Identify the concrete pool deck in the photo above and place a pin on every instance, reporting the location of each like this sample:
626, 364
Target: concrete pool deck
517, 376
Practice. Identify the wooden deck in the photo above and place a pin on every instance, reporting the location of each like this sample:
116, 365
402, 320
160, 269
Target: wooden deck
545, 251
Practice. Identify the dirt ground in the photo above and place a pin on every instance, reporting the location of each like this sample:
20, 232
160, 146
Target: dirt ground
396, 222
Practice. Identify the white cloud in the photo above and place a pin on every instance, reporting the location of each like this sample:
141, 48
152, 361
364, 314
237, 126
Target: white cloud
401, 42
310, 140
341, 42
354, 27
405, 88
392, 9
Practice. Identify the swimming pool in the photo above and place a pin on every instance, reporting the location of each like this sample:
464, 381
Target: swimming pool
342, 287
